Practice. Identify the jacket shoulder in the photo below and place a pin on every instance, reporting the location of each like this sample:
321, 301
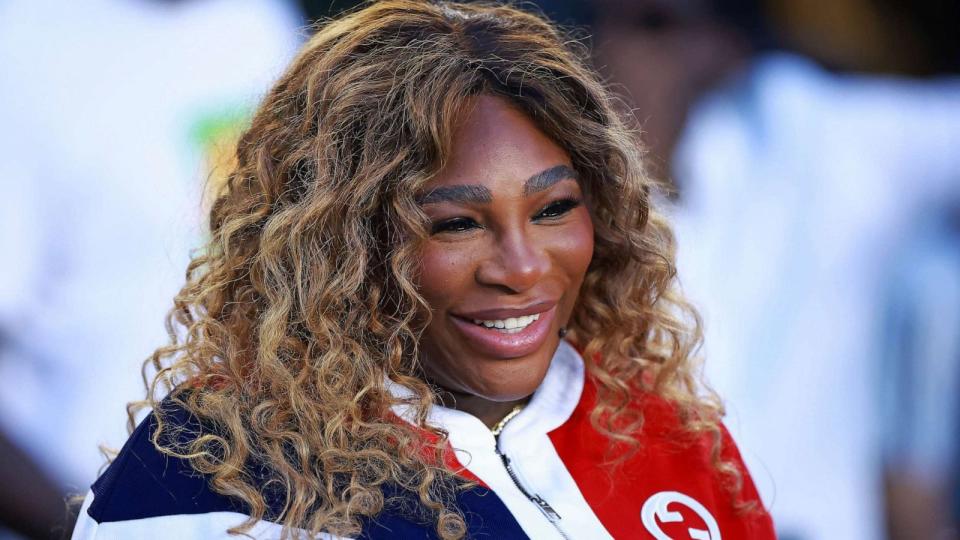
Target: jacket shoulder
143, 482
148, 494
626, 484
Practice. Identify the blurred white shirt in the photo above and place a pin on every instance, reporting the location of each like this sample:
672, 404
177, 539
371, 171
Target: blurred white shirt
796, 184
109, 110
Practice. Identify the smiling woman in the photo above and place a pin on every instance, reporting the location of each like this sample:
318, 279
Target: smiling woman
510, 242
437, 302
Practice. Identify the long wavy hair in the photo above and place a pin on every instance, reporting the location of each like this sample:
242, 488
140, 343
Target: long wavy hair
304, 304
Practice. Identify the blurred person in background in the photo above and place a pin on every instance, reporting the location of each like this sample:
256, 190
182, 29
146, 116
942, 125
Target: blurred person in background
115, 114
796, 186
920, 375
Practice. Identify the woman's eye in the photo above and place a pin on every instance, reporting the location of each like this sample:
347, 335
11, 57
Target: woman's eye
453, 225
557, 209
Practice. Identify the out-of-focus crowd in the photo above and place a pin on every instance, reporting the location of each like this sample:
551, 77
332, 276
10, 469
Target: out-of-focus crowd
812, 153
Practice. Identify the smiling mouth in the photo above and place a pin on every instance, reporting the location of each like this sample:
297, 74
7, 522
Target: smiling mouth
511, 325
507, 333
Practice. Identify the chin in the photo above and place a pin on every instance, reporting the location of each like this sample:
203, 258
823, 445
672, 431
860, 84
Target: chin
511, 380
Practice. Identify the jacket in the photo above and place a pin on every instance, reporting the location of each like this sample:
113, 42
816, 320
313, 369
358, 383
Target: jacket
543, 477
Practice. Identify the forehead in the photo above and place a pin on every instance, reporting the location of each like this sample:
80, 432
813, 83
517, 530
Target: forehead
497, 144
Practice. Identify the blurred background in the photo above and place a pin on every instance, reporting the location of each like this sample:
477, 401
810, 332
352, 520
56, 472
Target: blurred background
813, 149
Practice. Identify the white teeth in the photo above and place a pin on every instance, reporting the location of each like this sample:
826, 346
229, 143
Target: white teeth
511, 325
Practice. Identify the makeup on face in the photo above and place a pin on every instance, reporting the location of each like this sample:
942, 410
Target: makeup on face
509, 244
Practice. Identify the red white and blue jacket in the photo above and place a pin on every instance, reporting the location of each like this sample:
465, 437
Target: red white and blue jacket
543, 478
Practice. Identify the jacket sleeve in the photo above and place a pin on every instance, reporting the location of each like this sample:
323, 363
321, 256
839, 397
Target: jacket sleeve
205, 526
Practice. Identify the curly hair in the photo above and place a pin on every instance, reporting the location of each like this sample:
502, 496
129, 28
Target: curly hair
303, 305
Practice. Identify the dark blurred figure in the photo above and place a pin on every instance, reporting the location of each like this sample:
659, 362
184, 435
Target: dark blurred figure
667, 54
315, 10
907, 37
797, 183
31, 503
567, 12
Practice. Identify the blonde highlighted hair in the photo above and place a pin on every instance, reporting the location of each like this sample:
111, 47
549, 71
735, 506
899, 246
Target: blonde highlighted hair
303, 303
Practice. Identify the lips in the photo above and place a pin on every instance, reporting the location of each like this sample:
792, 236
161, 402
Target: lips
507, 343
506, 313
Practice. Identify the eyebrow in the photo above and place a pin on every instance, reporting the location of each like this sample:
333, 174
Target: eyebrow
457, 194
467, 194
547, 178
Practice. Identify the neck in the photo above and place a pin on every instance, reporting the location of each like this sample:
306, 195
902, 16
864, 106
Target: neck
489, 412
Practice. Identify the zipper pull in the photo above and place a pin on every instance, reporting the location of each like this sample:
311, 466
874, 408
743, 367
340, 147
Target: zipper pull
547, 510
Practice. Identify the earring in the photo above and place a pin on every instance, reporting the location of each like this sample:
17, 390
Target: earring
563, 332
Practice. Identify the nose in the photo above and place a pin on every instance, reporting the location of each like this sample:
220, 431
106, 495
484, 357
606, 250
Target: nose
517, 263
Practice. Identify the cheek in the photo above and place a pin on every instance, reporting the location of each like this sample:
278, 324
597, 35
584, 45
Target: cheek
443, 273
573, 257
577, 248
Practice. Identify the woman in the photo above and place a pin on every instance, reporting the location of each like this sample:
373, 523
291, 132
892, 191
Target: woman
436, 302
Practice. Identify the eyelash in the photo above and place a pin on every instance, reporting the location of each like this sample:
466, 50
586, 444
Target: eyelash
556, 209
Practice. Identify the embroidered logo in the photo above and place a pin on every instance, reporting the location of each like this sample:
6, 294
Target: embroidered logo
656, 509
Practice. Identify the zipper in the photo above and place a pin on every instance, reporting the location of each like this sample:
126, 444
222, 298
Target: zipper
552, 516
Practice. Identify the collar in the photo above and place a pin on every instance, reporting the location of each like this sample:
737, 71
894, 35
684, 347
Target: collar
551, 405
